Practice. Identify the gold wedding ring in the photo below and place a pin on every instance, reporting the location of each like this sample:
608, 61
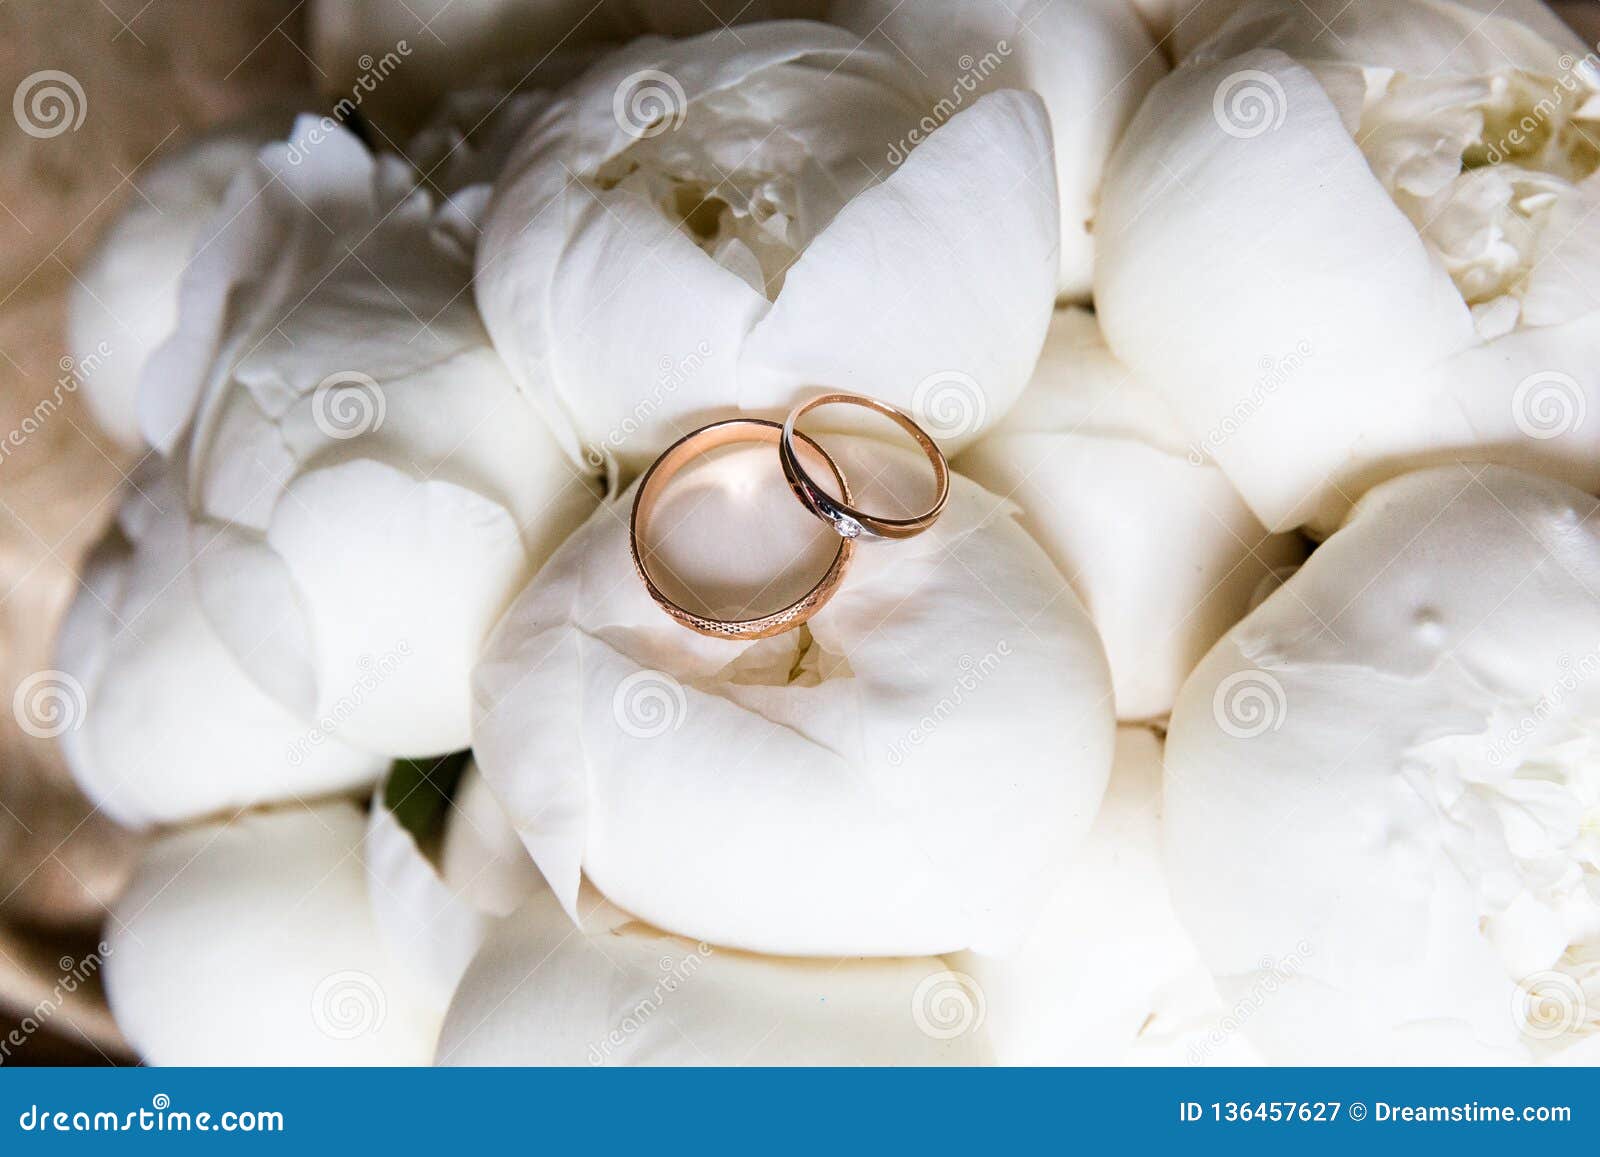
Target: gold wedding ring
654, 483
849, 522
838, 513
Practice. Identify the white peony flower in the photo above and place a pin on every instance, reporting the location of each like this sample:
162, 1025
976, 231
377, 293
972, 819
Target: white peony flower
251, 942
161, 723
1107, 974
701, 227
123, 301
1387, 775
1342, 253
1090, 61
433, 897
1154, 539
368, 486
616, 738
616, 991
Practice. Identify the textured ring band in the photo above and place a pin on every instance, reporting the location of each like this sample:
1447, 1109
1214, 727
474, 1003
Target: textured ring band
837, 512
654, 482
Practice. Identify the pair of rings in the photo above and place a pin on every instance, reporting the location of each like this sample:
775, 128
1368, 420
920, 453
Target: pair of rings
850, 523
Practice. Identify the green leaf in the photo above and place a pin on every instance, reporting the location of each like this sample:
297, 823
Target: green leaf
418, 792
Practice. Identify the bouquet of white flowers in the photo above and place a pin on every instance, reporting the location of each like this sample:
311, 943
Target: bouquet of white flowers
1227, 698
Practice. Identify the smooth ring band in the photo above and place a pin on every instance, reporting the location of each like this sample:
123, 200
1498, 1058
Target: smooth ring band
662, 470
837, 512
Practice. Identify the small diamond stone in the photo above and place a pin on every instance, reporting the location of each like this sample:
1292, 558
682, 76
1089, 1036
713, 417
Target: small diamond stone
847, 526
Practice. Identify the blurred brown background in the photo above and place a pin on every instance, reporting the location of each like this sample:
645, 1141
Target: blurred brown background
152, 72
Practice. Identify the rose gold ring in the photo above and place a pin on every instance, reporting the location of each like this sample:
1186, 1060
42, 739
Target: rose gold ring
654, 483
837, 512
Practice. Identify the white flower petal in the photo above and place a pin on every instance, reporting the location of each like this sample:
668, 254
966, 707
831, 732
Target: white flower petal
1265, 282
1154, 539
946, 269
1564, 283
258, 216
404, 578
420, 920
1107, 974
640, 333
123, 302
1348, 776
618, 270
171, 727
1433, 37
618, 992
1331, 337
1090, 61
251, 943
482, 857
368, 485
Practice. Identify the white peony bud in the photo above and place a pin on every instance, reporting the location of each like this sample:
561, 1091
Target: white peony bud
1090, 61
1349, 239
367, 485
159, 722
943, 727
251, 942
657, 254
1155, 540
616, 991
1386, 775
